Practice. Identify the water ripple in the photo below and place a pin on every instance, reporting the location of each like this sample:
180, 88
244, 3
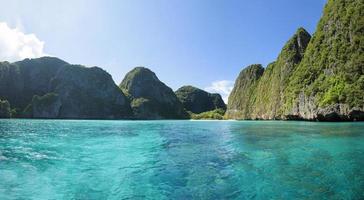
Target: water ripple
71, 159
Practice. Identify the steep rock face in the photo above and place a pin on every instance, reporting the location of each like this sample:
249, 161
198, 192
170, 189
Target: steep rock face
330, 79
269, 92
46, 106
11, 83
241, 99
263, 97
198, 101
313, 79
151, 98
5, 111
20, 81
51, 88
89, 93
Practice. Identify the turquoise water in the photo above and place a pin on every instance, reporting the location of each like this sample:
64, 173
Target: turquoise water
70, 159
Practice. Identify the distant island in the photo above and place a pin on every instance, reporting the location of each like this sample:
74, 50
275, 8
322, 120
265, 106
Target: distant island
314, 78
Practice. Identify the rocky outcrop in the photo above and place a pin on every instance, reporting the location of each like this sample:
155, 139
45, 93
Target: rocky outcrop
51, 88
241, 99
328, 84
340, 112
264, 98
89, 93
269, 92
5, 111
319, 78
332, 113
151, 98
20, 81
46, 106
197, 101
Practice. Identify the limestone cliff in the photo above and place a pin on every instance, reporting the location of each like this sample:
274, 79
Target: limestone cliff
329, 82
197, 101
151, 98
48, 87
242, 97
5, 111
318, 78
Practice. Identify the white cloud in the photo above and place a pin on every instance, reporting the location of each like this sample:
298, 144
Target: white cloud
223, 87
16, 45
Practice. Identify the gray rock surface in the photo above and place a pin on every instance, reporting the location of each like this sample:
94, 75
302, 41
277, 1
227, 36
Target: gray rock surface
5, 110
46, 106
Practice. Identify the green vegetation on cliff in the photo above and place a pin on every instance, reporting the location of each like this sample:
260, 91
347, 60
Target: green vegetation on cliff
45, 100
269, 92
46, 106
197, 101
318, 78
21, 80
258, 93
89, 93
213, 114
150, 98
30, 87
333, 67
242, 97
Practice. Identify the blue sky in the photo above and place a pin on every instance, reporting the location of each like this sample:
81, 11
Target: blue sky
185, 42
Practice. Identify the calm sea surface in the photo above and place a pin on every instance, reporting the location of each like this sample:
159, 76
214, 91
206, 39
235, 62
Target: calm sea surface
75, 159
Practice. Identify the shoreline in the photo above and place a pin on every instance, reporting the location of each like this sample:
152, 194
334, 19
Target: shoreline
192, 120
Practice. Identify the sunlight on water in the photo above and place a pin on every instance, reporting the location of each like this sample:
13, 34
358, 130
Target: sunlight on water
66, 159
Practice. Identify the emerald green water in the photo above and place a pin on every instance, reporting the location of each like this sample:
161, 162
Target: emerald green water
70, 159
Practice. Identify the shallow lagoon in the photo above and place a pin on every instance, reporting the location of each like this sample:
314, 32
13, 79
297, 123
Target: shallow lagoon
76, 159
